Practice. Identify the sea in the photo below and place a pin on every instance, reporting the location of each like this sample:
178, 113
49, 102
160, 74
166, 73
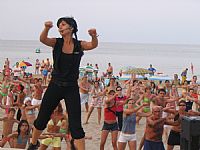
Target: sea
167, 59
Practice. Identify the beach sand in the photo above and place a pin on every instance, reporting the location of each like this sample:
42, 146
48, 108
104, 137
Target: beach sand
94, 130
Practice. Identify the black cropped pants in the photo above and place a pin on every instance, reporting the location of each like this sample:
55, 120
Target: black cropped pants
52, 97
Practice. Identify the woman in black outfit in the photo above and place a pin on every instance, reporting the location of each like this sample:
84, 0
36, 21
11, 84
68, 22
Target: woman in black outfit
67, 53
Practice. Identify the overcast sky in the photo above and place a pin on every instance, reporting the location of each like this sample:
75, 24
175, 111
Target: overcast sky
135, 21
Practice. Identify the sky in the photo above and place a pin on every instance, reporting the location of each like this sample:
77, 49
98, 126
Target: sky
131, 21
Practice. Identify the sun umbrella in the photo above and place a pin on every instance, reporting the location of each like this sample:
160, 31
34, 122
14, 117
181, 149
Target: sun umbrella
24, 64
138, 71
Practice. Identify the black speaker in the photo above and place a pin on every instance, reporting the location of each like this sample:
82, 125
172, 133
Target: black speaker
190, 134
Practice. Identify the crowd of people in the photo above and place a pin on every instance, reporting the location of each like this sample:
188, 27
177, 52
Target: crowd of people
124, 103
20, 100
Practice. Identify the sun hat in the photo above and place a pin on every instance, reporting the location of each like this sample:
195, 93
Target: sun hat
27, 99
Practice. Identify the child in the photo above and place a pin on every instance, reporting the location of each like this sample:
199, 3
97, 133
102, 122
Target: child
8, 123
45, 74
30, 110
21, 137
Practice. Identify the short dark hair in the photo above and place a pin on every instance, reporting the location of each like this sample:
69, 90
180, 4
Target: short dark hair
190, 89
69, 20
161, 90
11, 110
182, 101
194, 77
21, 87
111, 91
96, 81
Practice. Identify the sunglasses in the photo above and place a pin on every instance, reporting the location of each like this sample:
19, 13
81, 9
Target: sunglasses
161, 93
130, 103
182, 105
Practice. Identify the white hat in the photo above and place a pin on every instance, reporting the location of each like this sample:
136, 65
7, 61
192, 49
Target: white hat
27, 99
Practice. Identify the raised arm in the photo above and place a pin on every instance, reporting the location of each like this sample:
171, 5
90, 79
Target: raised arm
94, 41
32, 107
44, 35
171, 100
152, 123
134, 110
108, 100
172, 123
193, 113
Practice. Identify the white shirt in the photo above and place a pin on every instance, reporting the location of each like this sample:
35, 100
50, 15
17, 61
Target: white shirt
17, 71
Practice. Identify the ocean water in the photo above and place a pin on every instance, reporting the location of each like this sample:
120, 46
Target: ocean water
168, 59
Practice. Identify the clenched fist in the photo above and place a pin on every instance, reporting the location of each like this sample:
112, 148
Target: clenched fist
48, 24
92, 32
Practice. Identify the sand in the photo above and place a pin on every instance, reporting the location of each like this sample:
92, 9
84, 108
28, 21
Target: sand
94, 130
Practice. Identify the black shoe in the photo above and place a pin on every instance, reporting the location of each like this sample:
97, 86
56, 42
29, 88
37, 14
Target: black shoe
33, 147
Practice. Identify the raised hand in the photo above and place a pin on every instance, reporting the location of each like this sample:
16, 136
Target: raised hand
48, 24
92, 32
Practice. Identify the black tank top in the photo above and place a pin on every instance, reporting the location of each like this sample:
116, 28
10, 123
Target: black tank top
66, 66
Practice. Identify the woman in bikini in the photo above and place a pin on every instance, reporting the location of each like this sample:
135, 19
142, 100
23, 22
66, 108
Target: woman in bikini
4, 90
29, 110
9, 100
146, 98
64, 130
53, 128
21, 137
37, 66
